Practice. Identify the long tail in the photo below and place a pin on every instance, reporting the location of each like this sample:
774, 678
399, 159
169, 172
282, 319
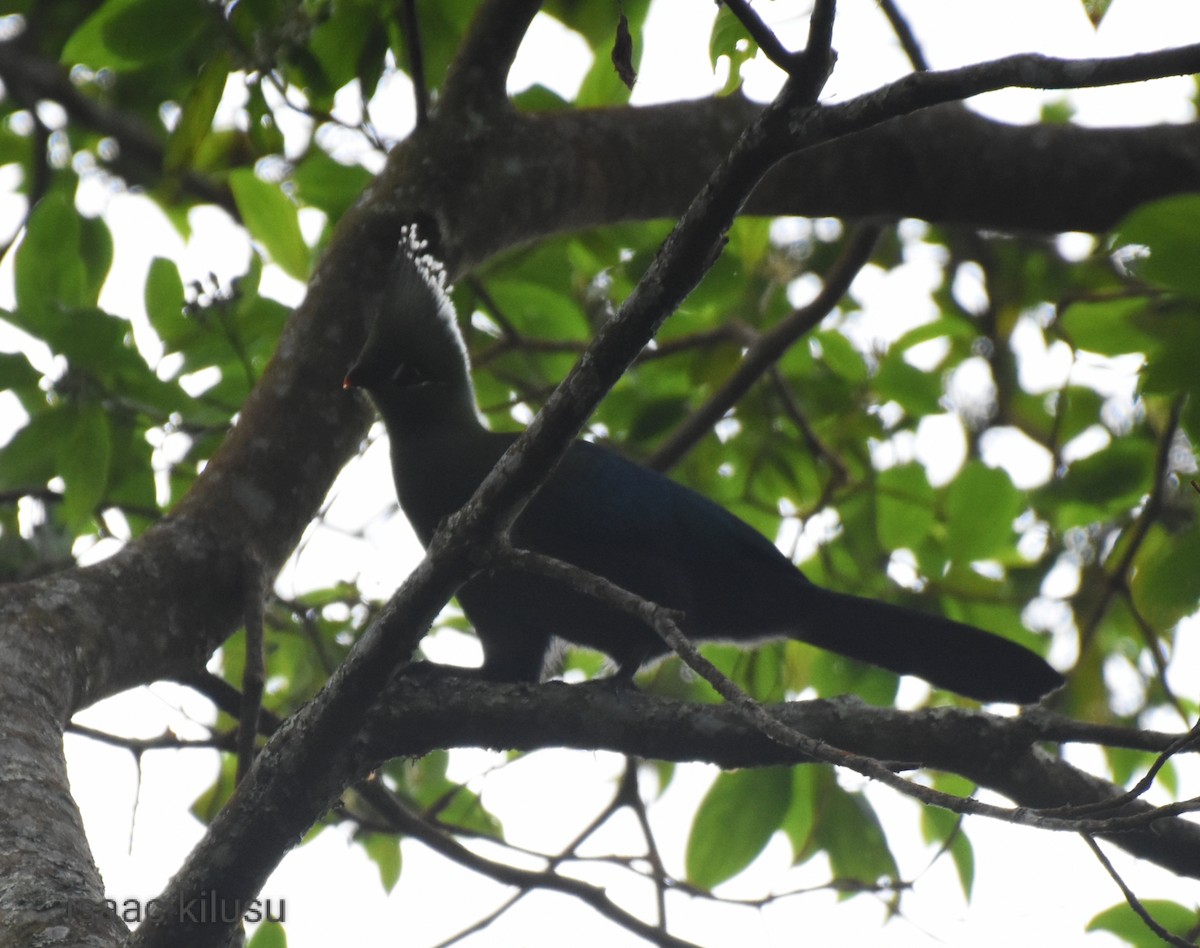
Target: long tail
945, 653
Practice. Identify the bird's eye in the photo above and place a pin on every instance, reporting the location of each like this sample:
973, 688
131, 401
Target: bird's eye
408, 375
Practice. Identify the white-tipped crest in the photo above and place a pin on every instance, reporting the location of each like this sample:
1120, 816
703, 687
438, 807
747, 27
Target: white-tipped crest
419, 287
415, 362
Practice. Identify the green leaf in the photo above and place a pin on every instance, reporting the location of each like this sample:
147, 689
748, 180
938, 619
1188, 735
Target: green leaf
1128, 765
338, 43
1075, 409
1106, 326
206, 806
656, 418
131, 475
1095, 10
981, 504
96, 248
918, 392
539, 98
735, 821
384, 851
540, 310
729, 40
50, 273
1169, 230
329, 185
1171, 364
269, 934
801, 818
825, 818
455, 804
442, 28
1126, 924
15, 371
839, 354
30, 458
936, 329
832, 674
466, 811
97, 341
850, 832
124, 35
14, 148
196, 114
272, 220
1166, 579
164, 303
84, 461
263, 135
903, 506
946, 829
1105, 483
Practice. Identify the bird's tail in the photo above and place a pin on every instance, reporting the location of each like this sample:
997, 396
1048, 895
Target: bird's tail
945, 653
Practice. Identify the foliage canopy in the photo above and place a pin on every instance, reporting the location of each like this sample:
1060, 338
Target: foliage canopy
1014, 451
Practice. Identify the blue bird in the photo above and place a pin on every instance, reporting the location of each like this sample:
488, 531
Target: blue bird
633, 526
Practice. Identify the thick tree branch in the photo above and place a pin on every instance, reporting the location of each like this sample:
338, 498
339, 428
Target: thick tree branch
507, 184
476, 79
427, 711
50, 880
1119, 811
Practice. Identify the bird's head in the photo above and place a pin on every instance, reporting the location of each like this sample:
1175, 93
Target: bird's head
414, 364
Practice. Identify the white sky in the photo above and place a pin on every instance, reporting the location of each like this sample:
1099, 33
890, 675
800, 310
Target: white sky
1031, 888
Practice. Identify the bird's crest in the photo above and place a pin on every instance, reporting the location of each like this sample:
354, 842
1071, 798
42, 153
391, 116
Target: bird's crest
418, 293
415, 359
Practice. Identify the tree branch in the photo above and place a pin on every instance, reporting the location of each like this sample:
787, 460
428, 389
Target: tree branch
526, 880
763, 35
908, 41
768, 348
1133, 901
437, 710
416, 61
476, 78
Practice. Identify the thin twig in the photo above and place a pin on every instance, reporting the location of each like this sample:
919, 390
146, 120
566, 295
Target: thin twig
139, 745
1188, 741
902, 29
254, 673
524, 879
763, 35
630, 795
416, 61
1155, 648
769, 348
1117, 577
1134, 902
839, 473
